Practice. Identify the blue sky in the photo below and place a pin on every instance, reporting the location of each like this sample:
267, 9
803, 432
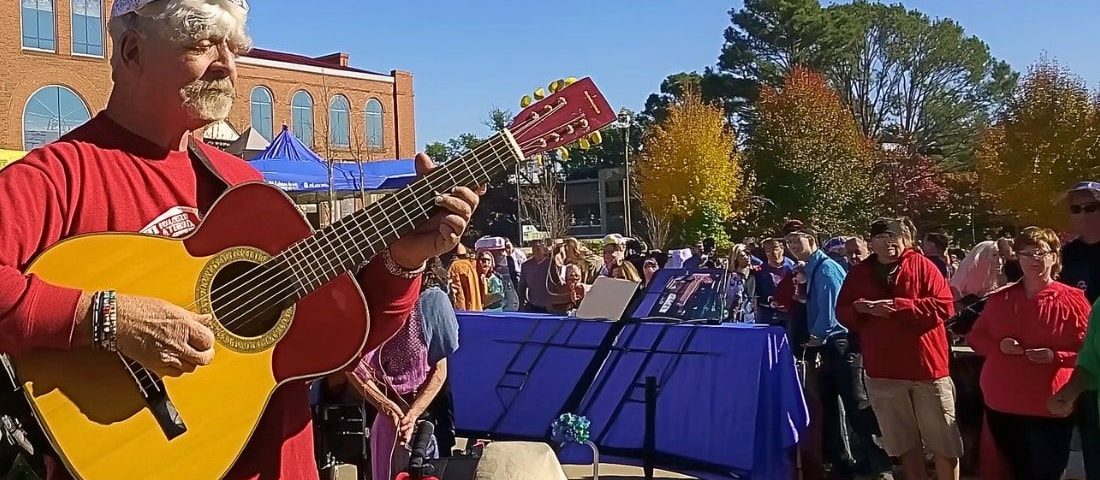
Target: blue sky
468, 56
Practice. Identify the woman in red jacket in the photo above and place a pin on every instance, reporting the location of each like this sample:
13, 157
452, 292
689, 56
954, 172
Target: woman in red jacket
1030, 333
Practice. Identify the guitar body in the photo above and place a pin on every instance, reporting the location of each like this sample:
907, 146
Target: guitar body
90, 405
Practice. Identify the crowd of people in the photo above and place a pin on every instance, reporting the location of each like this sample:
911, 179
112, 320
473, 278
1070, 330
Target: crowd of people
873, 318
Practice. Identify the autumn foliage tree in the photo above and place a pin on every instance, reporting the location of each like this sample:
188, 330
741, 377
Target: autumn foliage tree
913, 185
689, 164
1046, 140
809, 157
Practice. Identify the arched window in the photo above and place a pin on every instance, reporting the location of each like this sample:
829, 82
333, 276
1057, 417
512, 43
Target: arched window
262, 115
339, 120
375, 139
302, 112
38, 25
50, 113
88, 27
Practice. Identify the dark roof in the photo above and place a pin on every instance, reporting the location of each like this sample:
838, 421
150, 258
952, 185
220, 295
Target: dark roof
301, 60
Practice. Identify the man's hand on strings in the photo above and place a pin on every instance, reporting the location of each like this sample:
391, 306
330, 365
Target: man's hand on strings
443, 231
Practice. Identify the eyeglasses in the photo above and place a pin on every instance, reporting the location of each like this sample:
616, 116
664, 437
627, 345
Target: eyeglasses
1034, 255
1085, 208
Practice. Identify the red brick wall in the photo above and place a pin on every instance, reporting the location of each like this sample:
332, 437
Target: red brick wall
24, 72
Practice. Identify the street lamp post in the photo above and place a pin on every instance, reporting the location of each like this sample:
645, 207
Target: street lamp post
626, 118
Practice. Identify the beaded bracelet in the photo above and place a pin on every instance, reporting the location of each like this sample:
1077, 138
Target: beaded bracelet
105, 321
109, 338
399, 271
97, 319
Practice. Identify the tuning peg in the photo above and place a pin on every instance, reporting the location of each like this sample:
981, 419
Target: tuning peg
540, 93
584, 143
557, 85
569, 81
525, 101
563, 153
596, 138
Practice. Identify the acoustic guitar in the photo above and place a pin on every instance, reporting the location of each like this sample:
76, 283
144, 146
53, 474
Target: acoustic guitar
285, 304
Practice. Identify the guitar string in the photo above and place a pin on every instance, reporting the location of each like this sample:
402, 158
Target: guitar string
422, 209
307, 243
304, 245
386, 204
480, 150
369, 215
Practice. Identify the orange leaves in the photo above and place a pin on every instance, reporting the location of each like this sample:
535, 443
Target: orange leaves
1046, 140
810, 158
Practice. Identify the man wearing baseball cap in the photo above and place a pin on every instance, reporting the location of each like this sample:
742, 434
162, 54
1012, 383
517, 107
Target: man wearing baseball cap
836, 382
1081, 269
135, 166
897, 302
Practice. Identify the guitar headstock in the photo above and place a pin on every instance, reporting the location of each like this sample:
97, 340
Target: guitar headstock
574, 111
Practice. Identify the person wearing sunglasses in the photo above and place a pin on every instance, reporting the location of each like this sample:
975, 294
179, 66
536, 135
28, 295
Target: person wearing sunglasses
1081, 269
1029, 334
897, 302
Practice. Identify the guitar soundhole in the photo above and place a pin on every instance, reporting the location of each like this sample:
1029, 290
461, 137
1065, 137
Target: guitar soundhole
245, 298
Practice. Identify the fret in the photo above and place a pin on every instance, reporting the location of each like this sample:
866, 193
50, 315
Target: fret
327, 253
288, 258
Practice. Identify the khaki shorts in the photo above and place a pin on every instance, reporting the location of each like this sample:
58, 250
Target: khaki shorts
914, 413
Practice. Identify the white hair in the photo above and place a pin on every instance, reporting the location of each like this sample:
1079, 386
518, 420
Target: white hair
980, 272
187, 21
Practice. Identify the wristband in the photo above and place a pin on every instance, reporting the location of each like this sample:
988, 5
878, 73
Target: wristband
399, 271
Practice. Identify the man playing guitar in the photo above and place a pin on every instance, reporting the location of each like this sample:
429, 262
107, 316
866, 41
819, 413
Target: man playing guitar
135, 168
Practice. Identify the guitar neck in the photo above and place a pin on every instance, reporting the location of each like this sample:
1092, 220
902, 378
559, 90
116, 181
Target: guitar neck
348, 243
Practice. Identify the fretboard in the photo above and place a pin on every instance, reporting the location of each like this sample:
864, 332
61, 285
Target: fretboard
346, 244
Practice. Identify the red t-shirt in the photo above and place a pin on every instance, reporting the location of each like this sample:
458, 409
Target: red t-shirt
103, 178
1056, 318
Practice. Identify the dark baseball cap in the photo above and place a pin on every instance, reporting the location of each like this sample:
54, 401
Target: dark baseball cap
797, 226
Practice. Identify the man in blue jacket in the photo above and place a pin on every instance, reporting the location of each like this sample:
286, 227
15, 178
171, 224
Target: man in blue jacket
835, 378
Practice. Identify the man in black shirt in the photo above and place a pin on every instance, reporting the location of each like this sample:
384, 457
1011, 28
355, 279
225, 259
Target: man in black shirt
935, 248
1081, 268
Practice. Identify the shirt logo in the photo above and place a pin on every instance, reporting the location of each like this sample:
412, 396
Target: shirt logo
1083, 285
174, 223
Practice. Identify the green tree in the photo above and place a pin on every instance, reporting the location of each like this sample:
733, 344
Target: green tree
809, 158
908, 79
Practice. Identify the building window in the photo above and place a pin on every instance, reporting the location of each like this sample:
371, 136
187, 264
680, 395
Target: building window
38, 25
262, 117
50, 113
88, 27
302, 110
374, 124
339, 120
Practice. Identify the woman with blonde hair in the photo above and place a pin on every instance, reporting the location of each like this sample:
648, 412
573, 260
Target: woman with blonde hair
741, 287
978, 275
979, 272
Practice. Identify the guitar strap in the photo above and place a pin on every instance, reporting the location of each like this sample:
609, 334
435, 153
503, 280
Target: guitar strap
199, 158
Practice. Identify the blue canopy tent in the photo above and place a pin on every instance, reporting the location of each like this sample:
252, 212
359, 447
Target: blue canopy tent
292, 166
289, 164
382, 174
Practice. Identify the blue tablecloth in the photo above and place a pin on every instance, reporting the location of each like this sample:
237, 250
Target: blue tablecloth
729, 404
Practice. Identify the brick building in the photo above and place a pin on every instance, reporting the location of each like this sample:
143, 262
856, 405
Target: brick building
55, 58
